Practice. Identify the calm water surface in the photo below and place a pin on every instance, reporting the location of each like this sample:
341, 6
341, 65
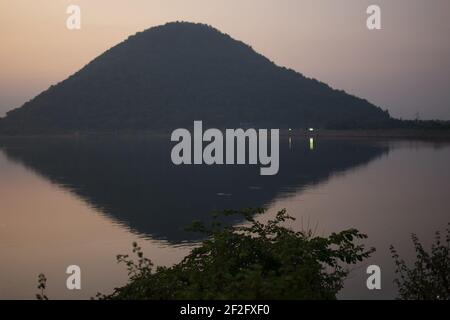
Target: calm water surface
84, 200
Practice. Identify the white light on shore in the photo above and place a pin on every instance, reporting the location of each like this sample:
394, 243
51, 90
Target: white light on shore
311, 129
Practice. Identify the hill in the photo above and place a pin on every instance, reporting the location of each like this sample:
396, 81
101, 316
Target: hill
168, 76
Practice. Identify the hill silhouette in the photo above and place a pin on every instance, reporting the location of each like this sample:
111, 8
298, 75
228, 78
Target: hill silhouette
132, 179
168, 76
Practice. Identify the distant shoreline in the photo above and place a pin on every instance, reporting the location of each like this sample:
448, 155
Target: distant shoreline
403, 134
419, 134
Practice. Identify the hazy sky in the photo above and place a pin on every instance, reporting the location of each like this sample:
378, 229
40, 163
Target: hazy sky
405, 67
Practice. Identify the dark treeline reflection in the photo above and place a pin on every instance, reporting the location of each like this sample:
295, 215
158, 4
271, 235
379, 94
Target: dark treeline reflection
132, 179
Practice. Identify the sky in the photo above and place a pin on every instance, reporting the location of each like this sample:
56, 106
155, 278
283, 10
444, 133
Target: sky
404, 67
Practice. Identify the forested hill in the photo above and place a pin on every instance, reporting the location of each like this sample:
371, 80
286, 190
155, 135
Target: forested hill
168, 76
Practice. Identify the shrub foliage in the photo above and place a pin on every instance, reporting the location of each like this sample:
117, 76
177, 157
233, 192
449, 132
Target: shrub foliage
253, 260
429, 277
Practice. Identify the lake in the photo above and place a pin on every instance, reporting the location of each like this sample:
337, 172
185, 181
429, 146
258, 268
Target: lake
83, 200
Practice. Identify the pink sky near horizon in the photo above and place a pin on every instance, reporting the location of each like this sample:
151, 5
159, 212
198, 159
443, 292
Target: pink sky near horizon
405, 67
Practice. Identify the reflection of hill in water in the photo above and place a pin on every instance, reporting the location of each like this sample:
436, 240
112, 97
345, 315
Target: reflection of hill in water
134, 181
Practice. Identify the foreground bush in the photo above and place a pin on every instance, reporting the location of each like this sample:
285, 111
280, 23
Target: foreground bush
255, 261
429, 277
